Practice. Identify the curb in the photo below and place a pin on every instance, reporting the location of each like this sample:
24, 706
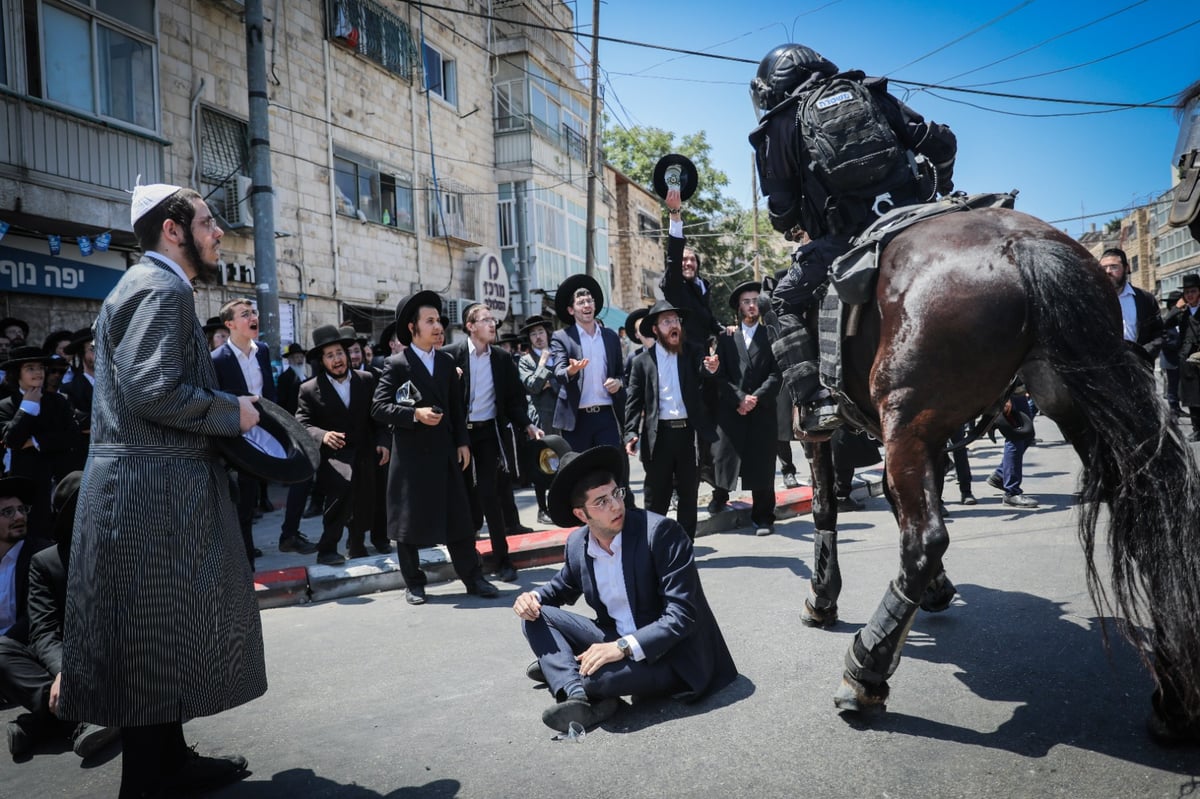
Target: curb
303, 584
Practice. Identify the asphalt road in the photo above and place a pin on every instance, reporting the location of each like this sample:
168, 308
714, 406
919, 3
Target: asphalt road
1010, 693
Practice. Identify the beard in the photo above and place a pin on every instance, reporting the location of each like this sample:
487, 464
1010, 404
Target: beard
205, 272
672, 342
339, 372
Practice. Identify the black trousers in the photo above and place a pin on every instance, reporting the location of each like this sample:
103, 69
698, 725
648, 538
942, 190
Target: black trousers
246, 501
673, 464
487, 483
297, 496
463, 556
148, 755
349, 503
24, 679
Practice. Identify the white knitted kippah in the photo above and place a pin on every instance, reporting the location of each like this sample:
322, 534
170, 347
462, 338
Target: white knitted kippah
146, 197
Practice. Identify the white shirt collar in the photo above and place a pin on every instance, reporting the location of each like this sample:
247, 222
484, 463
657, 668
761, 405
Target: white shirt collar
176, 268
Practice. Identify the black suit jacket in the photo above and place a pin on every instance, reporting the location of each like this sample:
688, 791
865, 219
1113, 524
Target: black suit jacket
1149, 325
674, 621
320, 409
511, 406
79, 392
229, 373
47, 604
564, 347
699, 322
288, 390
20, 629
747, 445
641, 405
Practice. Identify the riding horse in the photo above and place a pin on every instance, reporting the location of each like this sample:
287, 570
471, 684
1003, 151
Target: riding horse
963, 303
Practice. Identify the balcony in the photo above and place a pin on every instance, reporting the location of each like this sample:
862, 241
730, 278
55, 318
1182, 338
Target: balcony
47, 145
525, 142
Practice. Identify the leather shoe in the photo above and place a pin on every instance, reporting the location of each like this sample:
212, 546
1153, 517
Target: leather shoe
579, 710
518, 529
848, 505
415, 595
1020, 501
330, 558
20, 736
297, 543
482, 588
534, 672
88, 739
202, 774
790, 481
383, 547
764, 530
969, 499
718, 502
544, 518
256, 553
356, 551
506, 573
995, 481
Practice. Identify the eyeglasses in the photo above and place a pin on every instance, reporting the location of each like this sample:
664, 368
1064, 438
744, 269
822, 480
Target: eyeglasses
13, 510
209, 223
488, 321
608, 501
250, 314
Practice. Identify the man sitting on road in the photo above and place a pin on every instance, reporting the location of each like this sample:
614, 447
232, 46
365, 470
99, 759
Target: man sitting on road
659, 639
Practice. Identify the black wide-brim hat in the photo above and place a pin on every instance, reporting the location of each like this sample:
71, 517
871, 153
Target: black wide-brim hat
1191, 281
385, 338
63, 501
80, 337
18, 356
214, 323
537, 320
303, 455
573, 467
658, 309
295, 348
540, 459
749, 285
23, 488
10, 321
1016, 427
689, 179
632, 320
564, 296
406, 309
325, 335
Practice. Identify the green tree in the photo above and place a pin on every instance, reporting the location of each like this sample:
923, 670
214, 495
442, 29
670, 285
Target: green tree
713, 222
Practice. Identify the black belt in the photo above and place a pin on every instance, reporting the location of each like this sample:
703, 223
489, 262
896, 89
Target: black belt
481, 424
674, 424
594, 408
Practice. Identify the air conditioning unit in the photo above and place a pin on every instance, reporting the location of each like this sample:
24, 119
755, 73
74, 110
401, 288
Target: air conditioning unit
232, 201
454, 309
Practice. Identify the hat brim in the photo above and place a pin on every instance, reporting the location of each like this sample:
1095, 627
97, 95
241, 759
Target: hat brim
564, 296
541, 457
408, 309
689, 178
646, 326
573, 468
303, 454
17, 363
1022, 430
749, 285
23, 488
529, 326
634, 320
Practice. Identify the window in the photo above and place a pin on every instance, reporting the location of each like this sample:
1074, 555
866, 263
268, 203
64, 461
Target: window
647, 225
446, 211
371, 192
510, 105
104, 65
508, 223
3, 51
441, 75
224, 157
371, 30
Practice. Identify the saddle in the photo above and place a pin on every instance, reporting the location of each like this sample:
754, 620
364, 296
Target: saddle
853, 275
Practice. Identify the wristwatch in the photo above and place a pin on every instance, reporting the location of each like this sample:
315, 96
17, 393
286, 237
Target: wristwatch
623, 645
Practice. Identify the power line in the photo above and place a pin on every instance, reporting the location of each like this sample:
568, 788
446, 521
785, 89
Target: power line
1150, 104
966, 35
1123, 107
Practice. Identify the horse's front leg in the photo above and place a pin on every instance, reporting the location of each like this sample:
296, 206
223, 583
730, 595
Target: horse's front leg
875, 652
820, 609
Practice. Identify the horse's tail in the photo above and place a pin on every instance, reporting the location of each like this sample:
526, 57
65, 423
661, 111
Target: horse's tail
1134, 458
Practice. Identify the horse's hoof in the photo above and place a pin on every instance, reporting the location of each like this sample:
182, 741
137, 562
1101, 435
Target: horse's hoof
854, 697
1172, 732
812, 617
938, 594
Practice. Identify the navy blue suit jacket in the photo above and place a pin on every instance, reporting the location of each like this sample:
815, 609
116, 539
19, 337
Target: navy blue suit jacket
674, 622
229, 373
565, 346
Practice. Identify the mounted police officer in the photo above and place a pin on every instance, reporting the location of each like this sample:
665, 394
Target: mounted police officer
834, 151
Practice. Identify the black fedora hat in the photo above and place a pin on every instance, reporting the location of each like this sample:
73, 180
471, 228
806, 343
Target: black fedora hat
55, 337
66, 493
573, 467
11, 321
325, 335
23, 488
541, 458
658, 309
406, 309
1017, 426
19, 356
564, 296
537, 320
632, 320
214, 323
384, 347
742, 288
80, 337
293, 349
1191, 281
301, 454
675, 171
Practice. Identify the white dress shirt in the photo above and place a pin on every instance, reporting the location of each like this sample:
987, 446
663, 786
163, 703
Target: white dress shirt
1128, 312
8, 587
426, 357
670, 397
610, 585
483, 390
591, 388
748, 333
176, 268
251, 371
342, 387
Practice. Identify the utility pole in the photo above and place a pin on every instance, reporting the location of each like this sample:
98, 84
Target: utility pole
262, 197
754, 199
593, 159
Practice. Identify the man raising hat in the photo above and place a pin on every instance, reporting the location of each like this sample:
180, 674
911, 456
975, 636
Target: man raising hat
420, 397
658, 639
161, 623
665, 413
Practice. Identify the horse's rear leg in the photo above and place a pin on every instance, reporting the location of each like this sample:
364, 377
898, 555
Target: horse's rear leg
875, 651
820, 609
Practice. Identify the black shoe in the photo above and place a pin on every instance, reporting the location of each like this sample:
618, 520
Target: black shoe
382, 547
415, 595
330, 558
534, 672
848, 504
482, 588
581, 711
506, 573
356, 551
544, 518
266, 506
1020, 501
297, 543
21, 736
518, 529
88, 739
996, 481
968, 499
312, 510
790, 481
256, 553
202, 774
764, 530
718, 502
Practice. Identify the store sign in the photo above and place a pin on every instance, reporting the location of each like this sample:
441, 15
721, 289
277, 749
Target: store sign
237, 273
26, 267
491, 284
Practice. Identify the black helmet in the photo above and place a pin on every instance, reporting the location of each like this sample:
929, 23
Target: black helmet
785, 68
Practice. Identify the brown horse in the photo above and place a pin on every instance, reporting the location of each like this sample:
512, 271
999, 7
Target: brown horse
964, 302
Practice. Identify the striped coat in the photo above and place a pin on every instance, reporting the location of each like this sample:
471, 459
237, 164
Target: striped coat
161, 621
